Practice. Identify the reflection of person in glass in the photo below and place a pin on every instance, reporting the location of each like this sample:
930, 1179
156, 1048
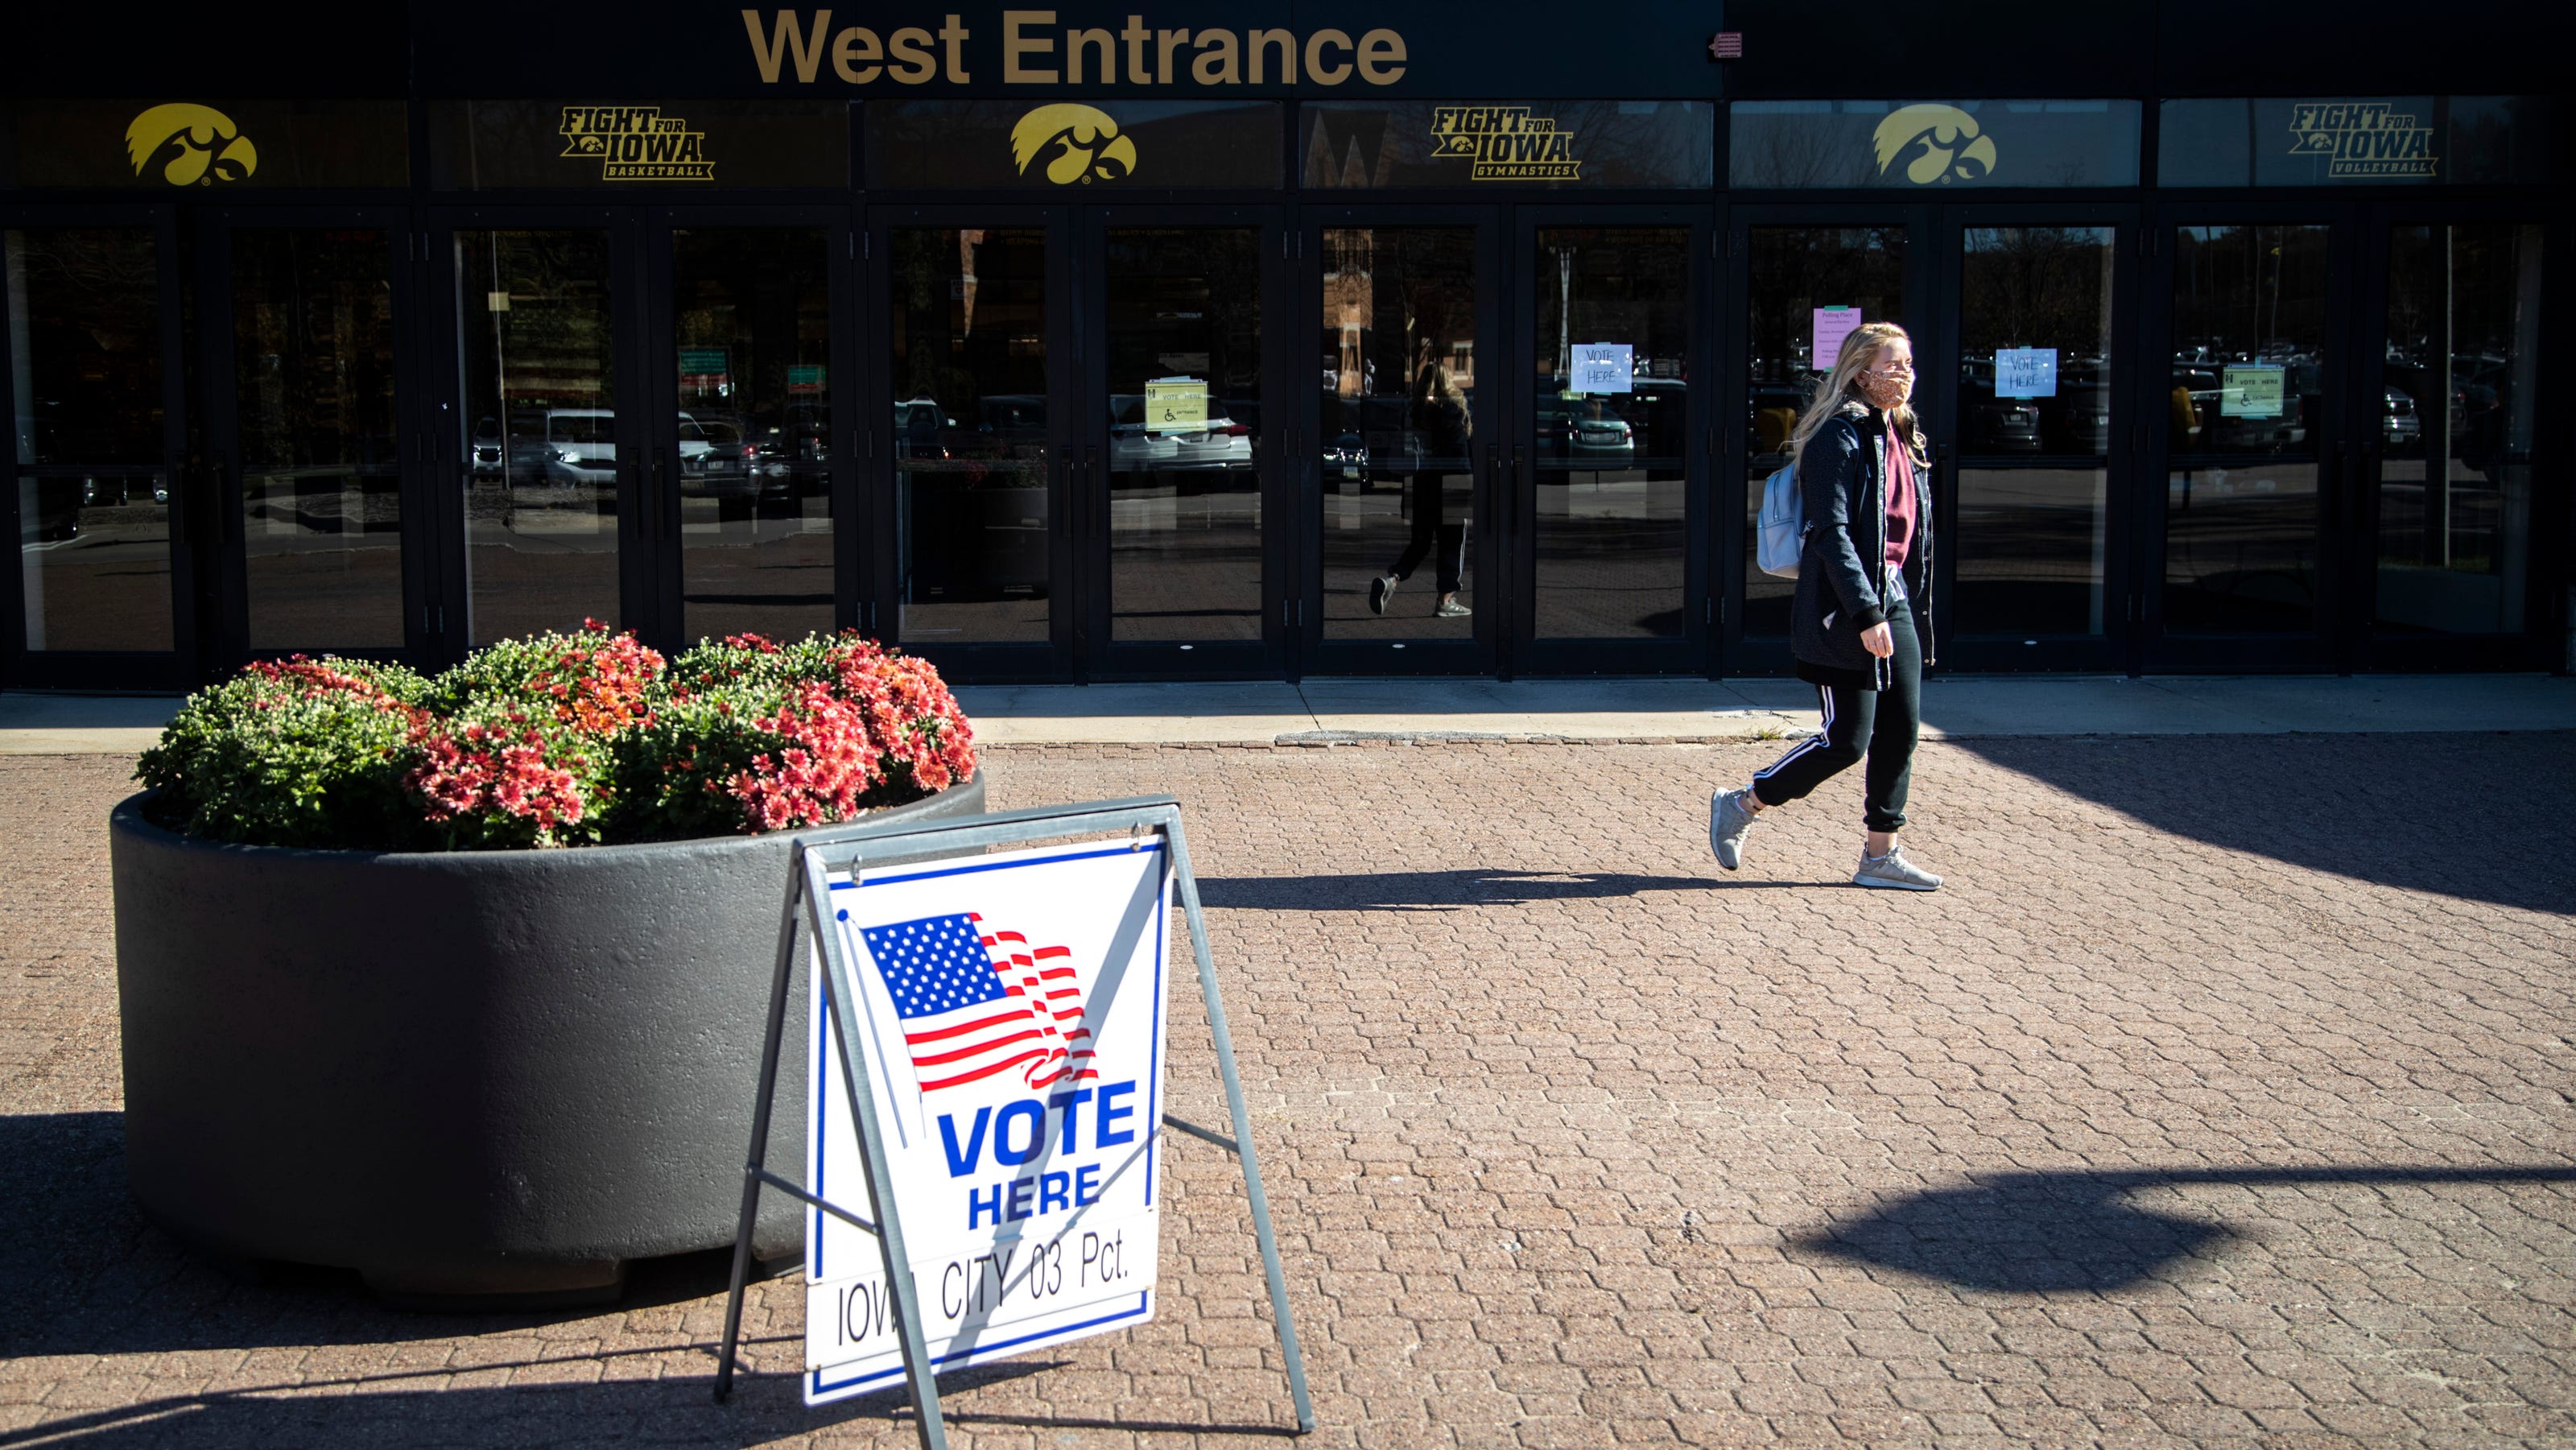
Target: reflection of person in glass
1863, 477
1442, 423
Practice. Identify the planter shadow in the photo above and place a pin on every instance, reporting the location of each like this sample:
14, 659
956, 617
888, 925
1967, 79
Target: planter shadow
481, 1079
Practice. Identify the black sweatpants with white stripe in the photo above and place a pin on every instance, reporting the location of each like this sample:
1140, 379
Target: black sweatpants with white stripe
1879, 723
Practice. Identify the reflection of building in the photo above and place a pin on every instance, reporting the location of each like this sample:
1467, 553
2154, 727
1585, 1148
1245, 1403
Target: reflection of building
1411, 324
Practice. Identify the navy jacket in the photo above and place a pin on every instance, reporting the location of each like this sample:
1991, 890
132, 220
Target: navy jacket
1842, 568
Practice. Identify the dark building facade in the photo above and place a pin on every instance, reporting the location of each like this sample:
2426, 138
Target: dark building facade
1085, 344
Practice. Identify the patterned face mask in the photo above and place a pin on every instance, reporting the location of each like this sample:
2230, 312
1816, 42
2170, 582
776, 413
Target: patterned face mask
1885, 390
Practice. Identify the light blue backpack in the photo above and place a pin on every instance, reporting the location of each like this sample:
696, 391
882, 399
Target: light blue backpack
1780, 530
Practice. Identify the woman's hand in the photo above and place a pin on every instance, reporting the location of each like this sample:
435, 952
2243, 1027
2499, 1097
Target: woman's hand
1879, 639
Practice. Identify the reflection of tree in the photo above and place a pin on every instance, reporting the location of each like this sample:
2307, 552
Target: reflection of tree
1798, 269
90, 358
921, 279
313, 347
1795, 151
554, 335
2252, 291
2036, 287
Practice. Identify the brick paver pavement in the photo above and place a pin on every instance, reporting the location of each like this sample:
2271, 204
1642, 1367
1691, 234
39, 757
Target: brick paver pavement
2222, 1099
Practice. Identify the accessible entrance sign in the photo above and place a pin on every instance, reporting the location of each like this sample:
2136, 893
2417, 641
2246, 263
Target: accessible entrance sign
985, 1103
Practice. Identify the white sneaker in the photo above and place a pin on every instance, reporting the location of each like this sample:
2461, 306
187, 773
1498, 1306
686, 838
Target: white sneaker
1728, 820
1894, 873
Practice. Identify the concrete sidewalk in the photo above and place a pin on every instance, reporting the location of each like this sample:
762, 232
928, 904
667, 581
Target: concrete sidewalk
1325, 710
1322, 711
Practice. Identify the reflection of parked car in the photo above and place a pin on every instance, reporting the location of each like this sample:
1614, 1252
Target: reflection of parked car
717, 457
1583, 429
1347, 456
580, 448
2399, 426
110, 492
483, 451
1220, 443
2078, 419
918, 428
2002, 425
1019, 415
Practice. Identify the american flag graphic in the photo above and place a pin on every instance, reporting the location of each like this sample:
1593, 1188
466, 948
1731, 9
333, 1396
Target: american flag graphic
977, 1001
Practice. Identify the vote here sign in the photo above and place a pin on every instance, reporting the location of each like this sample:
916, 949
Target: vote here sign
1011, 1007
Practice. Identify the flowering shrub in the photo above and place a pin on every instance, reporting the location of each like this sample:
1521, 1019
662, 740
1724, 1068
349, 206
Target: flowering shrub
762, 737
303, 753
561, 740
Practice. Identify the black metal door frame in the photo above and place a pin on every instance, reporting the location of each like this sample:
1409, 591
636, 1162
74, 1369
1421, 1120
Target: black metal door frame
414, 444
447, 418
1485, 653
881, 606
192, 515
2541, 645
1941, 371
2328, 644
1687, 653
1097, 654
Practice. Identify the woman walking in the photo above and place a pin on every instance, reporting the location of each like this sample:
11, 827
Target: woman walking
1444, 422
1867, 554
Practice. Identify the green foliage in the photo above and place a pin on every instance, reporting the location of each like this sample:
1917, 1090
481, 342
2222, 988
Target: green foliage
302, 754
558, 740
674, 768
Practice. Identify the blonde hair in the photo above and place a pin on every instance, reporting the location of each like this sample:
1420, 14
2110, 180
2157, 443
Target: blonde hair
1842, 385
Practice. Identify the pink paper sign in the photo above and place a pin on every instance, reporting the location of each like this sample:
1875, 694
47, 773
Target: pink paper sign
1833, 324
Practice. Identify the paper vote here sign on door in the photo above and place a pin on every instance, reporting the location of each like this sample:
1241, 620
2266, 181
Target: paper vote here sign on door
1011, 1007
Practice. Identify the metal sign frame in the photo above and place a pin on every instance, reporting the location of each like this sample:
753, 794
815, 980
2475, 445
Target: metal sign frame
817, 856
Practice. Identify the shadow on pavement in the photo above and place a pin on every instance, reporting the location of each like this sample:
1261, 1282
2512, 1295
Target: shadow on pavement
676, 1411
1437, 890
83, 1272
2479, 817
2041, 1233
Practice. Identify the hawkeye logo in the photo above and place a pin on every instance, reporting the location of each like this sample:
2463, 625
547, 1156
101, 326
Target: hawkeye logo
2367, 138
201, 144
636, 143
1081, 143
1504, 143
1942, 141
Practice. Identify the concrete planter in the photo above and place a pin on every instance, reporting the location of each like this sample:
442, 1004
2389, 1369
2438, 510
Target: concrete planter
463, 1074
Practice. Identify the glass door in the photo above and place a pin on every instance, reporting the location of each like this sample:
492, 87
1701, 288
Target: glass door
1401, 560
2032, 543
2251, 422
1178, 569
306, 377
2455, 580
1808, 276
970, 448
101, 591
1607, 557
751, 465
538, 444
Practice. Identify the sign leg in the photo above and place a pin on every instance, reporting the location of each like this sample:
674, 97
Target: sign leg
917, 1368
1189, 888
758, 1158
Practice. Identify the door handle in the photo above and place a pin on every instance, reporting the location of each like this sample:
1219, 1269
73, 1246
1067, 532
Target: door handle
227, 497
1083, 502
653, 501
